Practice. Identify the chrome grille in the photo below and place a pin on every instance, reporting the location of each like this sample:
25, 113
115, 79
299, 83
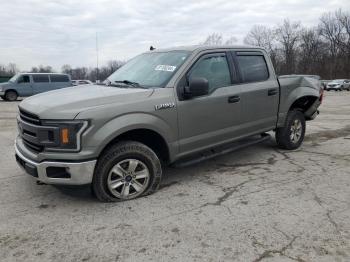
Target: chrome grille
29, 118
29, 124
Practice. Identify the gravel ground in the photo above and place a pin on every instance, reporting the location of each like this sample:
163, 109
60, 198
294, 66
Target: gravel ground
256, 204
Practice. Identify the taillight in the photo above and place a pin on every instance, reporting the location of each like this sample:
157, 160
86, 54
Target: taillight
321, 94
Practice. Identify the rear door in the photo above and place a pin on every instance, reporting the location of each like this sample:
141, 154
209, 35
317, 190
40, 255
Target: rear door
59, 81
41, 83
214, 118
260, 91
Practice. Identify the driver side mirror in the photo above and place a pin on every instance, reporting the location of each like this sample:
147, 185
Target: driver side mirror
198, 86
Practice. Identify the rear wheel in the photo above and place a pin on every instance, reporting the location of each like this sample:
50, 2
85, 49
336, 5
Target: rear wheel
11, 95
126, 171
292, 134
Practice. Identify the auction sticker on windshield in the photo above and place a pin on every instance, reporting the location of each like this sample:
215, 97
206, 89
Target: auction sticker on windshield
167, 68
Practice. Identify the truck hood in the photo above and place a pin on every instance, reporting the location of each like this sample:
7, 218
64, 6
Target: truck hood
67, 103
4, 84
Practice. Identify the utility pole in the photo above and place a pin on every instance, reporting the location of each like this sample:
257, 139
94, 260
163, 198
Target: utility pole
97, 70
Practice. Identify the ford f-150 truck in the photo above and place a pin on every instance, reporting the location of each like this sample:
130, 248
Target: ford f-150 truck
162, 107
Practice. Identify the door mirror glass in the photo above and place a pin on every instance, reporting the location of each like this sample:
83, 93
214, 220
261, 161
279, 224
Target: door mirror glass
198, 86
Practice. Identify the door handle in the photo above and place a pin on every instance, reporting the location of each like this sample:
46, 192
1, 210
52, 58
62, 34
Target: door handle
272, 92
233, 99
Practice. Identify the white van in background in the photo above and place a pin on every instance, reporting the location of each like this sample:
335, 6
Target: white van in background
27, 84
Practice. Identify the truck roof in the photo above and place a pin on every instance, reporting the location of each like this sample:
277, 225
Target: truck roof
192, 48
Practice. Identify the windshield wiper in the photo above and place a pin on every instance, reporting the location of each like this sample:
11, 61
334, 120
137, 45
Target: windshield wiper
129, 83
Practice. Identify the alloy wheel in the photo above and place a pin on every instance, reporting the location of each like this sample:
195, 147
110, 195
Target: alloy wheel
128, 179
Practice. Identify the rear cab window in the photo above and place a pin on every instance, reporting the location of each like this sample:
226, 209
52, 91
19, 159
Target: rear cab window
252, 66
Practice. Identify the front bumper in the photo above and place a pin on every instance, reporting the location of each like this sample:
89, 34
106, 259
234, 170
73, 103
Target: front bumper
2, 93
60, 173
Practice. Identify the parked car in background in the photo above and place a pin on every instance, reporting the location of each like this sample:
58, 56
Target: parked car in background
324, 83
338, 85
27, 84
81, 82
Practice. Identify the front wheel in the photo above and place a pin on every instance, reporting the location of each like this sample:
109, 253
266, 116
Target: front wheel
292, 134
11, 96
126, 171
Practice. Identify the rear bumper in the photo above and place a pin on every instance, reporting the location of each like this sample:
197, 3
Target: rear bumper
60, 173
312, 112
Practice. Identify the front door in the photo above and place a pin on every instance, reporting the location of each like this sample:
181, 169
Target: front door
214, 118
24, 86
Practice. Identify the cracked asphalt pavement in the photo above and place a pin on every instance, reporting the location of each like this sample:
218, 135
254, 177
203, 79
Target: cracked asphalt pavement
257, 204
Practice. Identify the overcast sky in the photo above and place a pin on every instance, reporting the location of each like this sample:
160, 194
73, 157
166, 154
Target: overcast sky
58, 32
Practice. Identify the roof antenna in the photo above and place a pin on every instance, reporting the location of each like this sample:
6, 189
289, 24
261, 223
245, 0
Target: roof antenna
151, 48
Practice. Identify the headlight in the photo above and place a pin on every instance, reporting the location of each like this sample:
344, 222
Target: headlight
67, 135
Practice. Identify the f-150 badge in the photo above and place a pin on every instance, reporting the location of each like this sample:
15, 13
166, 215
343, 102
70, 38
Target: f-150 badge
164, 106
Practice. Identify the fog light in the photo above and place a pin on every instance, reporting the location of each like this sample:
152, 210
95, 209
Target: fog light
57, 172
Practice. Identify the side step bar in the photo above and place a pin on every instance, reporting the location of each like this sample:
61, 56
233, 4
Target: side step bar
222, 150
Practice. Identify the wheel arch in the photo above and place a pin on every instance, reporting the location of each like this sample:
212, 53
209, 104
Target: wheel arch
9, 90
147, 136
302, 97
303, 103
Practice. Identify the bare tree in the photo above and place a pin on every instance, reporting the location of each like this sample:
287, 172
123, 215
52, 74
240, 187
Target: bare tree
41, 69
311, 52
331, 30
213, 39
66, 69
9, 70
288, 35
264, 37
230, 41
12, 69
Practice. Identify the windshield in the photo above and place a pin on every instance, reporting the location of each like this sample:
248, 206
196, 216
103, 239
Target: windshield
150, 69
338, 81
14, 78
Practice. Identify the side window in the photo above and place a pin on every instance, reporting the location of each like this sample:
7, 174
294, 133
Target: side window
59, 78
24, 79
40, 78
253, 68
215, 69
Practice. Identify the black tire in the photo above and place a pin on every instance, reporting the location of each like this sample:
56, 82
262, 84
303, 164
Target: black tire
11, 95
118, 154
284, 134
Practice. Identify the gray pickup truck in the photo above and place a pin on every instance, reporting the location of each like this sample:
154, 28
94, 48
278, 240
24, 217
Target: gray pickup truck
163, 107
